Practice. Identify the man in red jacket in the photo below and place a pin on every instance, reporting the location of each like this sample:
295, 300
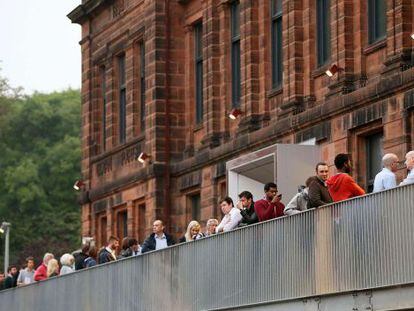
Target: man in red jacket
342, 186
269, 207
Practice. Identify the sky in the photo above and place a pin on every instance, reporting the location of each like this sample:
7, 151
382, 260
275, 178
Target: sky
39, 46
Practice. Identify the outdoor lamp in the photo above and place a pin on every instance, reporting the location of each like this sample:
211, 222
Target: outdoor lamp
234, 113
143, 157
412, 36
333, 70
78, 184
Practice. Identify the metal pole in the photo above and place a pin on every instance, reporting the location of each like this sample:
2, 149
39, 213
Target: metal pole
6, 249
6, 227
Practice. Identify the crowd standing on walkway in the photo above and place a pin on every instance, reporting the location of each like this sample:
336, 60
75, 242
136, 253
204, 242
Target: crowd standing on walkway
318, 190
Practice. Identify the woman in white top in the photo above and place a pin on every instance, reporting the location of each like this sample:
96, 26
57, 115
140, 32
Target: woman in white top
232, 216
67, 261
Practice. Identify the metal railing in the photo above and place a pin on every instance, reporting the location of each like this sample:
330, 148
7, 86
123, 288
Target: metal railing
361, 243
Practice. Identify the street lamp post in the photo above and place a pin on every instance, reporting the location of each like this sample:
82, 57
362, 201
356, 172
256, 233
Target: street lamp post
5, 228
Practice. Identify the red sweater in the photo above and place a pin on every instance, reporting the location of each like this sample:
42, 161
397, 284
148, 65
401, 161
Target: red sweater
342, 186
40, 273
266, 210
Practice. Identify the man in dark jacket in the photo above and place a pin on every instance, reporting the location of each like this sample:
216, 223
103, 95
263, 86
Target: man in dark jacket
246, 207
318, 192
11, 279
158, 239
107, 254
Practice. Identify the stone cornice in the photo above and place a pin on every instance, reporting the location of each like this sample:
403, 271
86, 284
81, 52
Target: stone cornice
83, 11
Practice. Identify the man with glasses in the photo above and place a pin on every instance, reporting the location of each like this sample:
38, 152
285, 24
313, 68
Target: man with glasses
386, 179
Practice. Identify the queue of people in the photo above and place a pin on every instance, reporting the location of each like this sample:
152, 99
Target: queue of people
319, 190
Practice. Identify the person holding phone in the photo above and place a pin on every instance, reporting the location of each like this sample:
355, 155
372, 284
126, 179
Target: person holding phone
270, 206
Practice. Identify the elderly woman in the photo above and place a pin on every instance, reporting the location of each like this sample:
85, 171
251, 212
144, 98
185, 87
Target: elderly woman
192, 233
67, 261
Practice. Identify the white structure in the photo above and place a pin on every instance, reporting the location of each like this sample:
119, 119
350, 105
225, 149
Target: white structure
288, 165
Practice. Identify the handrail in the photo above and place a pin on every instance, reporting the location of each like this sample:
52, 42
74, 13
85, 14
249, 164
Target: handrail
356, 244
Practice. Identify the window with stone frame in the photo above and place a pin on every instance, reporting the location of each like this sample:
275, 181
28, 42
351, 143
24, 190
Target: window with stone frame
377, 20
276, 41
323, 25
198, 65
235, 54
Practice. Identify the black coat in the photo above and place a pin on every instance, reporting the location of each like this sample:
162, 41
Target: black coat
79, 260
105, 256
249, 216
318, 193
150, 244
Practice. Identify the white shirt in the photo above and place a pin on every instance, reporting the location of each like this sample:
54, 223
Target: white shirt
230, 220
409, 179
384, 180
160, 242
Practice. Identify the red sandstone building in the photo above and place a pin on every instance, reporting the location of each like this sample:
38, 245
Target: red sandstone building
161, 77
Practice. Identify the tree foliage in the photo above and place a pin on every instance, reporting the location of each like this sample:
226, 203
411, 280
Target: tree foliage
39, 162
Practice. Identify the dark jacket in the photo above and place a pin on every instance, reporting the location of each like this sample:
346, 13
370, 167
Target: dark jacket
105, 256
79, 260
10, 281
126, 253
249, 216
318, 193
150, 244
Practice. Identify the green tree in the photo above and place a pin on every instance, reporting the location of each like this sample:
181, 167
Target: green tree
39, 161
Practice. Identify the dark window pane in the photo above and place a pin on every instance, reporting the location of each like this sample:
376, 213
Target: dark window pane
235, 19
103, 94
323, 31
374, 153
236, 79
377, 20
122, 222
198, 39
276, 7
195, 207
122, 99
276, 43
235, 54
142, 83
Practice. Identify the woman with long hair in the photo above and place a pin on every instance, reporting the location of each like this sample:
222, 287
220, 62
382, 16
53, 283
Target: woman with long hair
52, 268
192, 233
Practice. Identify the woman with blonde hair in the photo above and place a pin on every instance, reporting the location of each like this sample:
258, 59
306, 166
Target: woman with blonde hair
192, 233
52, 268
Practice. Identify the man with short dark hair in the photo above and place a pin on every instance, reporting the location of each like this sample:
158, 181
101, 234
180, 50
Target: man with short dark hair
158, 239
318, 191
246, 207
270, 207
342, 186
11, 279
26, 276
108, 254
